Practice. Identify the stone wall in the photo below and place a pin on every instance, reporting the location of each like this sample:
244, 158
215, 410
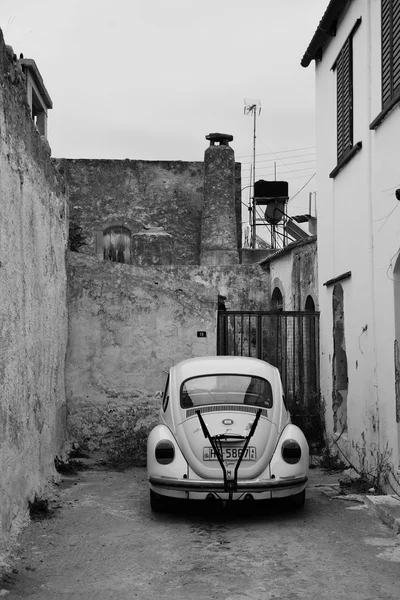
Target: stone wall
140, 194
33, 314
128, 325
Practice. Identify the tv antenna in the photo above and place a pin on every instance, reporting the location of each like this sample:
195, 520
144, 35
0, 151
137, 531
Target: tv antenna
253, 108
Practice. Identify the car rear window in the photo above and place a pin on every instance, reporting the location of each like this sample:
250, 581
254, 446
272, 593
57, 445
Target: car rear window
226, 389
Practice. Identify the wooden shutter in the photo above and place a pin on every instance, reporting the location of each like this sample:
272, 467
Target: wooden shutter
344, 71
390, 50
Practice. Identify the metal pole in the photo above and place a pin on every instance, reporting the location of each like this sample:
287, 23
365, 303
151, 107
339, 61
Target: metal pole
254, 177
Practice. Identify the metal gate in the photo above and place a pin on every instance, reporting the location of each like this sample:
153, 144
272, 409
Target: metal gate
290, 342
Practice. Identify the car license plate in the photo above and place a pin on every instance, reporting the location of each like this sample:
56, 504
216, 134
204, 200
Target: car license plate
230, 453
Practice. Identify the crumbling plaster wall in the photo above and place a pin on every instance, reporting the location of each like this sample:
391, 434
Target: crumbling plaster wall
128, 325
33, 313
138, 194
294, 270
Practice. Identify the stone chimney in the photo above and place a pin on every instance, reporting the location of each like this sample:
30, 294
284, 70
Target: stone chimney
218, 227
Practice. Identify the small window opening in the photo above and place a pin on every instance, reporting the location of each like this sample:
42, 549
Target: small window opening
117, 244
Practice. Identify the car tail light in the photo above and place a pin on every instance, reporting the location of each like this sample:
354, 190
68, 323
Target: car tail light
291, 452
165, 452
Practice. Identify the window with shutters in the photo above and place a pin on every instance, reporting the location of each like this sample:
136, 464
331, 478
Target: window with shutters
390, 50
117, 244
390, 43
343, 65
344, 74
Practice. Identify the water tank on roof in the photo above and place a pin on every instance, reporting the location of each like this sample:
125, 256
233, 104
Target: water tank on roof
273, 195
271, 189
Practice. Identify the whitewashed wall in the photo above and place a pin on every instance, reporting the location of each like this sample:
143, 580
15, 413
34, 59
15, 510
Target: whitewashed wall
354, 236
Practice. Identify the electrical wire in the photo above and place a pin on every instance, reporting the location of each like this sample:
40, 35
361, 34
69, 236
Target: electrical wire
286, 165
302, 188
285, 172
391, 265
278, 158
274, 158
278, 151
385, 218
391, 188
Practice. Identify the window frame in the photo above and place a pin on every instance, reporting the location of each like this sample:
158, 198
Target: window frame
113, 252
344, 99
269, 402
390, 59
345, 146
165, 398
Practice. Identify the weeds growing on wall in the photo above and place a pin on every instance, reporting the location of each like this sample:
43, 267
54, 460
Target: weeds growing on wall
330, 461
129, 447
374, 467
380, 465
76, 238
39, 509
69, 466
310, 417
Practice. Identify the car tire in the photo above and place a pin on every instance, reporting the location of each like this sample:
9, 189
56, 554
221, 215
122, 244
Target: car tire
297, 501
157, 502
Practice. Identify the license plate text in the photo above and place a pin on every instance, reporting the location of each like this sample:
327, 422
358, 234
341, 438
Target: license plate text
230, 453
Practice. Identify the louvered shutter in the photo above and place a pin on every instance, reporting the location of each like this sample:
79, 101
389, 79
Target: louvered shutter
390, 50
344, 70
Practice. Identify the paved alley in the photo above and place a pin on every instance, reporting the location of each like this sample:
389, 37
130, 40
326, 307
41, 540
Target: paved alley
104, 543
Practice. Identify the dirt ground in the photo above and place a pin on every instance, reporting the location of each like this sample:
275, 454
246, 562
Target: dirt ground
104, 543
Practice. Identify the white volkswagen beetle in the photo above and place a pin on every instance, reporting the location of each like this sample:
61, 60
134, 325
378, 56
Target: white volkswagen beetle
225, 433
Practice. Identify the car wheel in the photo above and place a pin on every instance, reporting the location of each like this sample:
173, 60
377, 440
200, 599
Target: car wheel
157, 502
297, 501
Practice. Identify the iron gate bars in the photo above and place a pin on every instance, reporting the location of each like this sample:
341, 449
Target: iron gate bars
287, 340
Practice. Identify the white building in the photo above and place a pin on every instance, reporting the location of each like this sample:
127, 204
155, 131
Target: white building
356, 49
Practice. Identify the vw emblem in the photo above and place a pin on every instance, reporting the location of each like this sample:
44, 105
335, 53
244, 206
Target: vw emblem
227, 422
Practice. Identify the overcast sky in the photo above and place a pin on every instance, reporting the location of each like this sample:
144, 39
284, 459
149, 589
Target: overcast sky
148, 79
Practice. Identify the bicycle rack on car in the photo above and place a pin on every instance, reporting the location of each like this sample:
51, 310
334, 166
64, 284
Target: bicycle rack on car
230, 481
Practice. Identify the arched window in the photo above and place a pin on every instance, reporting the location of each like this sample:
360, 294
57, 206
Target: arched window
277, 299
309, 304
117, 244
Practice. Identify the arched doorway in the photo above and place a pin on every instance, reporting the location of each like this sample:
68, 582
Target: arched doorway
309, 332
277, 300
310, 305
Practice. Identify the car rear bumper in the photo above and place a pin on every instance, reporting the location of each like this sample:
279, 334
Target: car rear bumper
217, 485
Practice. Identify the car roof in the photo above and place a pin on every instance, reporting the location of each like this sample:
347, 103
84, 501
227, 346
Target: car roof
209, 365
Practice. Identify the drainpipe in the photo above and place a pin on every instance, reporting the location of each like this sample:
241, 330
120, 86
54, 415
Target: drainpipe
371, 252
